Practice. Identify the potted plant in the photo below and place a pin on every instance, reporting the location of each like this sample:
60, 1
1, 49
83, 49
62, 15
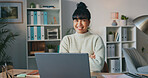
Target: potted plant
123, 21
110, 36
7, 37
51, 48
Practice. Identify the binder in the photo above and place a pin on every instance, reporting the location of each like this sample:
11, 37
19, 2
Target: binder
28, 17
28, 33
115, 66
45, 18
32, 32
124, 34
42, 33
38, 32
42, 17
38, 17
35, 32
35, 17
112, 50
32, 17
109, 50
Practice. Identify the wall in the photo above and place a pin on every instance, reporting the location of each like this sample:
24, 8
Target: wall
100, 11
18, 49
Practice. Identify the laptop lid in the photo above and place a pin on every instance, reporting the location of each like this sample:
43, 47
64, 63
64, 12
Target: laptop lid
63, 65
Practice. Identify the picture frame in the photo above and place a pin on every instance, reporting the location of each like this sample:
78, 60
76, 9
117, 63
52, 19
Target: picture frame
11, 11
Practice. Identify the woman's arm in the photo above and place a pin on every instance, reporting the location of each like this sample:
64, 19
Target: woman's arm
64, 45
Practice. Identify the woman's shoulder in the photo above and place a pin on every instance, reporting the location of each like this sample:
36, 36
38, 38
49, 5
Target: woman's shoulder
68, 36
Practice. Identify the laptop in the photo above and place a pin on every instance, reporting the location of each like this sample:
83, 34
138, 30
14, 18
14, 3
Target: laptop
63, 65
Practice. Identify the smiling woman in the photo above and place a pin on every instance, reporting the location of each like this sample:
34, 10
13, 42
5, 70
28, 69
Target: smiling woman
83, 41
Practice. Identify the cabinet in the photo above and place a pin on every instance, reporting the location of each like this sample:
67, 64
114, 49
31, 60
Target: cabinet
123, 37
43, 28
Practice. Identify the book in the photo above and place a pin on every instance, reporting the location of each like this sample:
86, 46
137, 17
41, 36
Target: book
33, 74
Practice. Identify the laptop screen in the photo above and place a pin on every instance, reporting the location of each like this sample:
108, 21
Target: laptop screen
63, 65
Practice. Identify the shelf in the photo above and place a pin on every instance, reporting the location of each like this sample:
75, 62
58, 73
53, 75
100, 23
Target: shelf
128, 41
116, 57
45, 40
113, 42
31, 56
52, 25
34, 9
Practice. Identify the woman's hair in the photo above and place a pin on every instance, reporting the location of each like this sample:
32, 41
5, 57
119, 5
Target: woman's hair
81, 12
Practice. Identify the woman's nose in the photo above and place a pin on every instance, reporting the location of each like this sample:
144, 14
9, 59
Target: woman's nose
79, 23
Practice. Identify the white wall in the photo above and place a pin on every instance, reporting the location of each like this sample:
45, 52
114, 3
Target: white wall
100, 11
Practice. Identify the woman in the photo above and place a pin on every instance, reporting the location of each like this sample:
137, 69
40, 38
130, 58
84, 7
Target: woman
83, 41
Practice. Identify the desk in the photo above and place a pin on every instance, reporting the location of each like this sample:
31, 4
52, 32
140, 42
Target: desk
25, 71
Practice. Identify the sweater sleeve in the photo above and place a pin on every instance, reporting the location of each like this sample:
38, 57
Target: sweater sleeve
64, 45
99, 50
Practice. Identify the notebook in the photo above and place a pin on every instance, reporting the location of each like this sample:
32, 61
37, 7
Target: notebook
63, 65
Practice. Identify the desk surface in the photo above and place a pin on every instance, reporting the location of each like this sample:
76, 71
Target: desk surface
25, 71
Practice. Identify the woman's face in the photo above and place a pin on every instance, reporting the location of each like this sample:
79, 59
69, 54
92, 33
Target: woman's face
81, 25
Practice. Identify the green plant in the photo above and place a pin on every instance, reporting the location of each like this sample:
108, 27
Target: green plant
50, 46
123, 17
7, 37
110, 32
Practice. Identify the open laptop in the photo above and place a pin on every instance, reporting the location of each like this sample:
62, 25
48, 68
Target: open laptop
63, 65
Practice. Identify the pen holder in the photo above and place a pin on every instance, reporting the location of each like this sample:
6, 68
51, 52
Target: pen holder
7, 71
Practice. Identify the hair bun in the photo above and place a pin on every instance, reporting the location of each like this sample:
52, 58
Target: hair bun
81, 5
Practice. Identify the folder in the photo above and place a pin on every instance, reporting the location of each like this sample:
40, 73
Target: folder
42, 17
35, 32
42, 33
112, 50
32, 17
29, 17
124, 34
45, 18
32, 32
35, 17
38, 32
38, 17
28, 33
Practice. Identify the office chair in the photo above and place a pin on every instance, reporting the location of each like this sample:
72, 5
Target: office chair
134, 61
105, 68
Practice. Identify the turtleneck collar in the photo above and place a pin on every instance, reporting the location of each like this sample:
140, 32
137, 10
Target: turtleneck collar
82, 35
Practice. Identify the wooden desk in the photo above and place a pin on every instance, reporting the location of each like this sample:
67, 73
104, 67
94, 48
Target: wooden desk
25, 71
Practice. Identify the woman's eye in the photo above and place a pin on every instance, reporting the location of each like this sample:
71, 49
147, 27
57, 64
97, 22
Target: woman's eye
76, 20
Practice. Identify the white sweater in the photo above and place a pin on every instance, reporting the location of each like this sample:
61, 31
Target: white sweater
85, 43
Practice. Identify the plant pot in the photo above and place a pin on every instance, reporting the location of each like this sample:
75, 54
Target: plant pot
51, 50
110, 37
123, 22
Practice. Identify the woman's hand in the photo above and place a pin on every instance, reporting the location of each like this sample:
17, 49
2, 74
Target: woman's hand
93, 56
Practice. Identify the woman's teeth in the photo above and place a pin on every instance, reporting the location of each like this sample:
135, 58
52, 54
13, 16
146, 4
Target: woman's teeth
79, 27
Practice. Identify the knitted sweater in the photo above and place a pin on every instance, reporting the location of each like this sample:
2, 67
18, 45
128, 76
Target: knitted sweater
85, 43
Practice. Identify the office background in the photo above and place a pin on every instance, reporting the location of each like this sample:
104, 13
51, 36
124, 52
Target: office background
101, 17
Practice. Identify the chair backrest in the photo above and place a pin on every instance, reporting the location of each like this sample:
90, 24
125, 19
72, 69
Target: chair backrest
105, 68
133, 59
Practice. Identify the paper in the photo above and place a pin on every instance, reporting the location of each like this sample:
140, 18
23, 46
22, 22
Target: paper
116, 76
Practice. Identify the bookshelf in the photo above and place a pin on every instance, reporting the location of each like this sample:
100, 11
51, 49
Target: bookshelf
44, 27
126, 38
